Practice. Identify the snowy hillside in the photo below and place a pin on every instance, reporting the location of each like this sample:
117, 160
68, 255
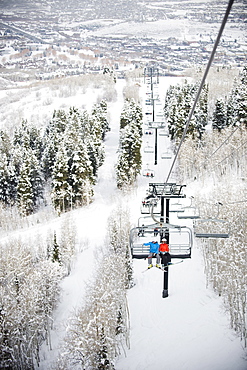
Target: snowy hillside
188, 330
77, 154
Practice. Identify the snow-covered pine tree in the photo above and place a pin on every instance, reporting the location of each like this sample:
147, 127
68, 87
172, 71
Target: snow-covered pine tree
131, 112
28, 136
24, 188
4, 179
201, 112
81, 177
237, 102
129, 160
99, 114
51, 141
219, 115
61, 190
81, 138
95, 146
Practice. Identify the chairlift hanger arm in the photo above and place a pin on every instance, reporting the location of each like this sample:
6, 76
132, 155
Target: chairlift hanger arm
165, 225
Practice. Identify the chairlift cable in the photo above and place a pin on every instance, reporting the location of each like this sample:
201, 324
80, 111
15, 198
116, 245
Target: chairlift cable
201, 84
231, 153
224, 141
237, 202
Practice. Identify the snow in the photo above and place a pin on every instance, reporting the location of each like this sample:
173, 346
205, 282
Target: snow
187, 330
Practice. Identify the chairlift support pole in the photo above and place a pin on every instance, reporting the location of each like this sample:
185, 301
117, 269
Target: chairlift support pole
165, 281
156, 146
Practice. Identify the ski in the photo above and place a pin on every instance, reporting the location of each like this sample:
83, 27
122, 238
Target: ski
163, 268
171, 264
147, 269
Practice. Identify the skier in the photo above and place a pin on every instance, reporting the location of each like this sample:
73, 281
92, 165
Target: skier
164, 252
153, 252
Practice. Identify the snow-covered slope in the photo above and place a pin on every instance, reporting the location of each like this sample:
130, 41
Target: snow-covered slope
187, 330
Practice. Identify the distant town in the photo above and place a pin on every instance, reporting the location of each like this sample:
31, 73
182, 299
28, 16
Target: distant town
33, 47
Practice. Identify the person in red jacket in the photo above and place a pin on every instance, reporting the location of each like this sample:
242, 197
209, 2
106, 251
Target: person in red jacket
164, 247
164, 253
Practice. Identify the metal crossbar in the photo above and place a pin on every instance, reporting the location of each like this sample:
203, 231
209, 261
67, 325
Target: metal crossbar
211, 235
188, 216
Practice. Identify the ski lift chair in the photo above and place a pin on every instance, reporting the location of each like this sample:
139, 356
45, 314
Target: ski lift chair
147, 204
180, 249
216, 229
158, 115
166, 155
148, 173
221, 230
148, 149
163, 132
194, 214
138, 237
157, 124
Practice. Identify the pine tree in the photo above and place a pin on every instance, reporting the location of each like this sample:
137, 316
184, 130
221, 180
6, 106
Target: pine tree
201, 112
24, 188
4, 179
61, 190
131, 112
52, 138
219, 115
129, 160
99, 114
37, 181
81, 177
237, 102
28, 137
